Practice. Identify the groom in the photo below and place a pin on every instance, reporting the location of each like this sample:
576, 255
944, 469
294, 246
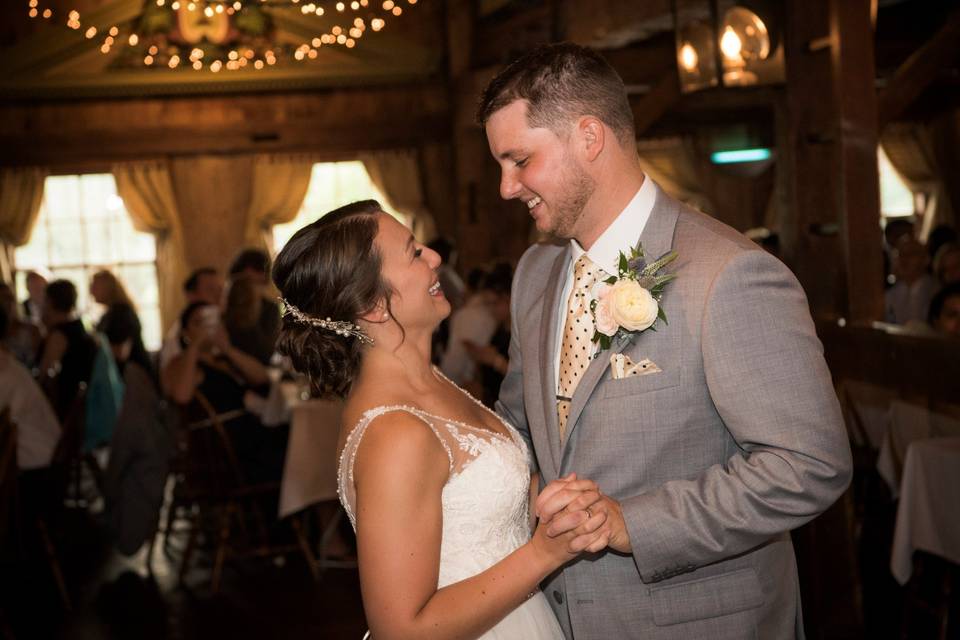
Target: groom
712, 436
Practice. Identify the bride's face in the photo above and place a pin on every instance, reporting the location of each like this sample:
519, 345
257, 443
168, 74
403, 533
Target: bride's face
410, 269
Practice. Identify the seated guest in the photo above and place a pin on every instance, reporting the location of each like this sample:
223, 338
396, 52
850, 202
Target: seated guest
203, 285
945, 311
473, 323
38, 430
260, 338
222, 373
107, 290
22, 339
68, 351
894, 230
946, 263
909, 298
940, 235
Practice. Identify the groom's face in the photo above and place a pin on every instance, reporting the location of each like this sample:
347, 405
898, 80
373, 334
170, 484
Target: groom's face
540, 169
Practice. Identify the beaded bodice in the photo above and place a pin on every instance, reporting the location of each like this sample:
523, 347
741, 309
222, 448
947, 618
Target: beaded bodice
485, 498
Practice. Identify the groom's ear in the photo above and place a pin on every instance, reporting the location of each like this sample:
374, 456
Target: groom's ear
592, 137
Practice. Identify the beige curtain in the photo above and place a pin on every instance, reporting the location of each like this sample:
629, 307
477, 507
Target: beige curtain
910, 147
397, 175
21, 192
673, 164
147, 193
278, 188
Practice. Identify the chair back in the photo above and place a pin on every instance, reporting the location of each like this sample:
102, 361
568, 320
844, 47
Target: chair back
206, 457
72, 428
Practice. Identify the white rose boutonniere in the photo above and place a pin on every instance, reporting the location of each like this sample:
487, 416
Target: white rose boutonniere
630, 301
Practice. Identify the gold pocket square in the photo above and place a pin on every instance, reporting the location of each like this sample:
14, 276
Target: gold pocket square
623, 367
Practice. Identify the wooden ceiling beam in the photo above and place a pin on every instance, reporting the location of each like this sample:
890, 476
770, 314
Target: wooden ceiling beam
919, 71
108, 130
655, 104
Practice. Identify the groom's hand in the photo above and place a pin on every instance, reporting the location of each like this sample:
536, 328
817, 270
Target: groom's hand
572, 505
576, 505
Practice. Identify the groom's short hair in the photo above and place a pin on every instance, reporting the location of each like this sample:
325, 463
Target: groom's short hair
560, 83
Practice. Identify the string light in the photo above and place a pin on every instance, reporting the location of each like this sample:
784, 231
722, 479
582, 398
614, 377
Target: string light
242, 57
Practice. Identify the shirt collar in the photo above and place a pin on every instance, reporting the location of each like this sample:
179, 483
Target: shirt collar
623, 232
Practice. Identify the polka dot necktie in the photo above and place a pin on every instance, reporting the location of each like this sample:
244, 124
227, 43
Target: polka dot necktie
577, 348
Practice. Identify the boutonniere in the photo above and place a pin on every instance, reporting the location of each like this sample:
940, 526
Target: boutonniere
630, 301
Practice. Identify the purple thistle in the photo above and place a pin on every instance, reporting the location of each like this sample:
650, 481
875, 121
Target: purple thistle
637, 264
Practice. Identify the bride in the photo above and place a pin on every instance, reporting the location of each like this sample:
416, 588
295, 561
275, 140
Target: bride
436, 485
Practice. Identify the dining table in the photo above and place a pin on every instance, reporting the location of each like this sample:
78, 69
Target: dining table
928, 517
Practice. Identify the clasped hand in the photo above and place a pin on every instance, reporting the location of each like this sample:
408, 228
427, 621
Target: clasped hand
574, 511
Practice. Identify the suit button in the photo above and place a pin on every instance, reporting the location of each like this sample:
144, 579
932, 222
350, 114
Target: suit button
558, 597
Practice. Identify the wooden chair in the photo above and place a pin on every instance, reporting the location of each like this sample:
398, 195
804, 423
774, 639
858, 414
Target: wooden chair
69, 458
212, 479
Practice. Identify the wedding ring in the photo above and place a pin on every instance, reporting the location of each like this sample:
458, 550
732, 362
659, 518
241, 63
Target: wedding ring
589, 513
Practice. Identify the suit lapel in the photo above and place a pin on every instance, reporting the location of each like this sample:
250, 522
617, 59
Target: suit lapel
657, 239
548, 351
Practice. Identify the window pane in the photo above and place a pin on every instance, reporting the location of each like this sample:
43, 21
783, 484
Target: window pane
83, 227
896, 199
61, 196
332, 185
66, 243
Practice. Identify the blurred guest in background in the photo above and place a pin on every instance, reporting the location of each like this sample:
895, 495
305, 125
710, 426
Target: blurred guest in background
257, 339
940, 235
107, 290
68, 351
36, 294
203, 285
21, 339
893, 230
946, 263
473, 322
909, 298
210, 364
492, 357
37, 428
945, 311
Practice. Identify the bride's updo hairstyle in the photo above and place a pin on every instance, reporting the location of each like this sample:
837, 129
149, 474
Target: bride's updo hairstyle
330, 269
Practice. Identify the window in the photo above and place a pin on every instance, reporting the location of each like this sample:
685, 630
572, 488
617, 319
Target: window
83, 227
896, 199
332, 185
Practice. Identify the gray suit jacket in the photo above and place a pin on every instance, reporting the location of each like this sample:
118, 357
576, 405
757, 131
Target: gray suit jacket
738, 440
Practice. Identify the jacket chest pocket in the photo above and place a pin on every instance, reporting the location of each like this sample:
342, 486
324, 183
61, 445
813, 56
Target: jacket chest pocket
635, 385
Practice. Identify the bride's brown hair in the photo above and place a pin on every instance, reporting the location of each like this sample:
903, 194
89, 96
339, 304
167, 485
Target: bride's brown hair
330, 269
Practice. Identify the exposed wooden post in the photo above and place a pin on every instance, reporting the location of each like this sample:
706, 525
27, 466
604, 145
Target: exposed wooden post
854, 71
827, 129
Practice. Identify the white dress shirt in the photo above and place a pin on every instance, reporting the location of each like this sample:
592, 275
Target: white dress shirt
623, 233
38, 430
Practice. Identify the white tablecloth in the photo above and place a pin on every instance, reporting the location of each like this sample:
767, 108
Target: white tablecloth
928, 517
908, 423
310, 470
866, 409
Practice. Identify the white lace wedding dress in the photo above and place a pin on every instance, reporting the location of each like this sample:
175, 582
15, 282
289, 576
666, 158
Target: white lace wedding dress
485, 510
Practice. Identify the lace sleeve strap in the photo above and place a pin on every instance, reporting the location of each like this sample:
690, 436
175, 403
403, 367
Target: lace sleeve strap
345, 483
